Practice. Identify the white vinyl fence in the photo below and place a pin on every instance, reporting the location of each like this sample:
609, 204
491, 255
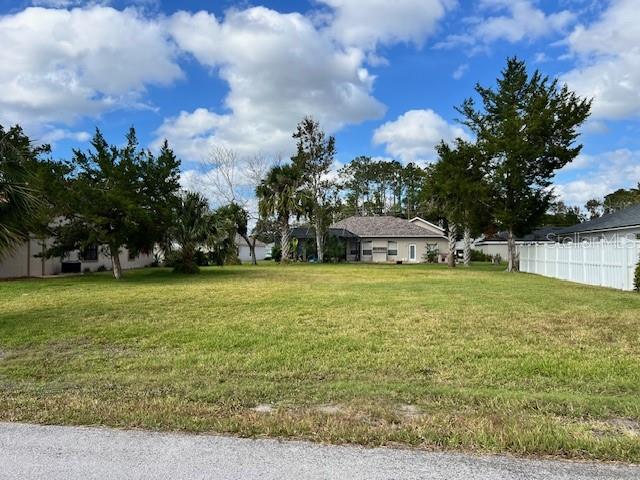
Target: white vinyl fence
607, 264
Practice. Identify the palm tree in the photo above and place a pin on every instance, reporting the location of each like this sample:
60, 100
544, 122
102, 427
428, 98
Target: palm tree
18, 201
194, 226
278, 195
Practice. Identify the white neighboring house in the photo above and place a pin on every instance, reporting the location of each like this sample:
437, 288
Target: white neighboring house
497, 244
623, 224
244, 252
23, 262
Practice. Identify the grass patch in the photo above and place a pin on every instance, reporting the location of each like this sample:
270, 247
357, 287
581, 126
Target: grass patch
473, 359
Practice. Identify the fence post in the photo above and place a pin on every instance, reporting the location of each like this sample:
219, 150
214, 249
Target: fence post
584, 263
602, 275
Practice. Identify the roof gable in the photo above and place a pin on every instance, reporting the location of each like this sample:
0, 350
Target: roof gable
431, 227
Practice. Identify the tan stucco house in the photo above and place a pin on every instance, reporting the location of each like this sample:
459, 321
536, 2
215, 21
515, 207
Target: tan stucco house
386, 239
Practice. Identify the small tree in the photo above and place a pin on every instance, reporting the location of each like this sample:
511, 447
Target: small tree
527, 127
279, 195
636, 279
193, 228
232, 179
117, 197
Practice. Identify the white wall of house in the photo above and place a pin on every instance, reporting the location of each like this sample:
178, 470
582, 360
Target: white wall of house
493, 249
244, 253
22, 262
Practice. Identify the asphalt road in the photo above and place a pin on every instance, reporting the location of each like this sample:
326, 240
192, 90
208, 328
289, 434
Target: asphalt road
50, 452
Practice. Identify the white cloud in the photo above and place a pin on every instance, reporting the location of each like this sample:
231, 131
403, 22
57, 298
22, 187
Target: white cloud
612, 170
509, 20
59, 65
53, 135
413, 135
460, 71
367, 23
522, 21
279, 68
608, 52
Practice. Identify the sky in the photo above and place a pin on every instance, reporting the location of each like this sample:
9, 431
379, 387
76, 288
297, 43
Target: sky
383, 76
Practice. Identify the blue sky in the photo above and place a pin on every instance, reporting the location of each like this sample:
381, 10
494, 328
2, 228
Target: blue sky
382, 76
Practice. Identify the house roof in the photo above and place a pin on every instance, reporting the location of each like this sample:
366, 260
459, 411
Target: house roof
383, 227
627, 217
240, 241
544, 234
308, 232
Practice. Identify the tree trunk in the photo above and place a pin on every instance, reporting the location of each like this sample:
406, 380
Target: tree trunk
115, 262
467, 247
319, 243
285, 240
252, 250
453, 233
251, 242
512, 253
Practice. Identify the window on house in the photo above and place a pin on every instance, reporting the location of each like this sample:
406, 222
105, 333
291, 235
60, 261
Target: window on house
132, 255
90, 253
367, 248
392, 249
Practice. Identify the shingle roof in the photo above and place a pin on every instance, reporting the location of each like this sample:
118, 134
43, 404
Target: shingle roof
382, 227
308, 232
539, 235
627, 217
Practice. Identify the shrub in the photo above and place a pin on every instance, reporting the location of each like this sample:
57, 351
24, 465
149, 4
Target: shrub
636, 279
334, 249
101, 268
185, 267
480, 256
431, 256
86, 270
201, 259
276, 253
171, 258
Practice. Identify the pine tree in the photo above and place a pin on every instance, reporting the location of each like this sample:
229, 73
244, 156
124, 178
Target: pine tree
527, 127
118, 197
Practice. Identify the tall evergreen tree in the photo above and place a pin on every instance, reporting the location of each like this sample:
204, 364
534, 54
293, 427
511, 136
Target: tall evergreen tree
527, 127
314, 158
458, 186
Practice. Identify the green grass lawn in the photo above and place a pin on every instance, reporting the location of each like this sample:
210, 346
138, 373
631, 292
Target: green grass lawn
473, 359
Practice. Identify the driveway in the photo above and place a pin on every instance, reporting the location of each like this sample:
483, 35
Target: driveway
51, 452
